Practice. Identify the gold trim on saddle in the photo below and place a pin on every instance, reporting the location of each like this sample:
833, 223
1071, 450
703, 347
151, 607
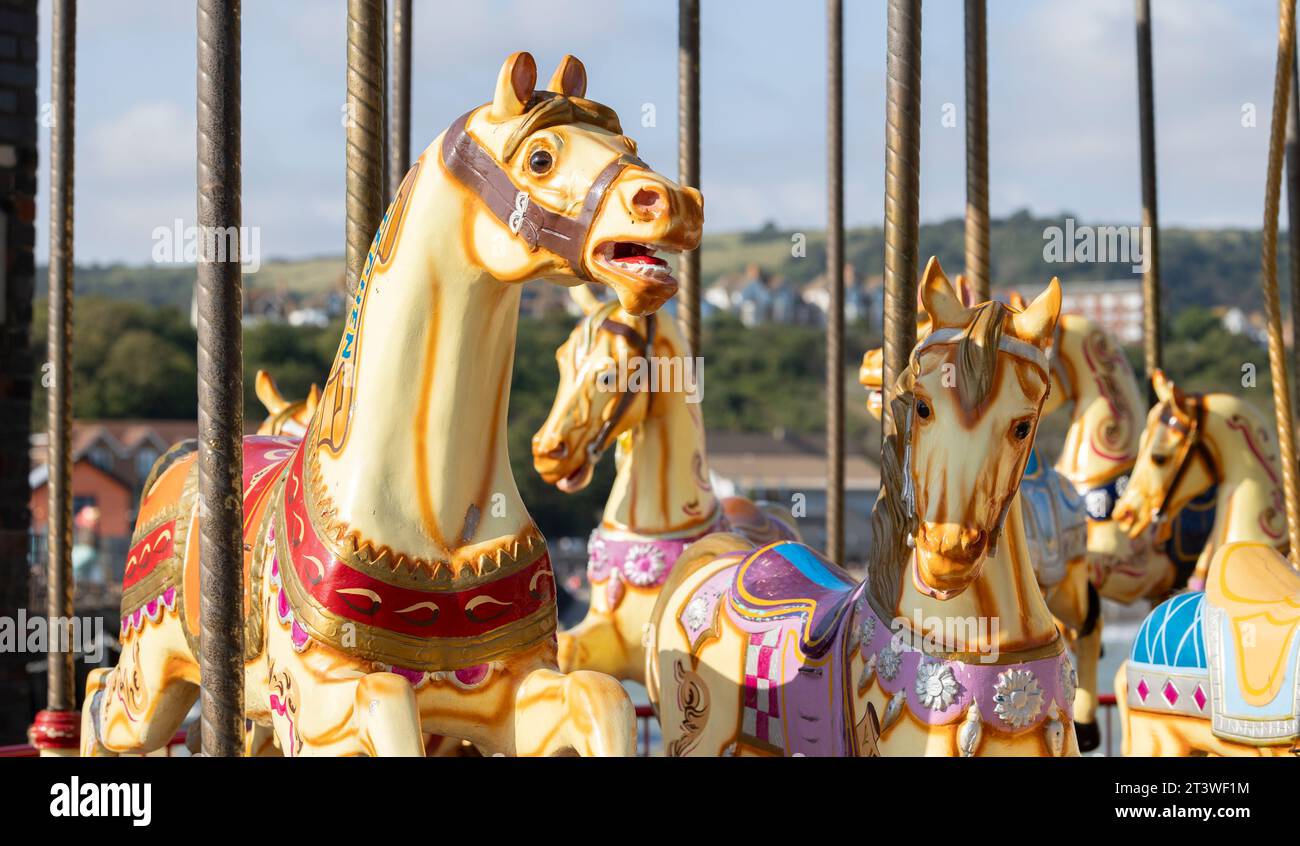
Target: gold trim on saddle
168, 572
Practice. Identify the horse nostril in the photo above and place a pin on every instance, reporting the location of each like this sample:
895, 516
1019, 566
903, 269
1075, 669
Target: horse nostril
649, 203
559, 451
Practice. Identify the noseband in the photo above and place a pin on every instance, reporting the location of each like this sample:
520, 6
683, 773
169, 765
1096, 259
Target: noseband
643, 347
478, 170
952, 335
1192, 446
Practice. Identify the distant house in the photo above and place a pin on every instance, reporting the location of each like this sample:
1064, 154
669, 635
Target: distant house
757, 297
1115, 306
864, 299
92, 487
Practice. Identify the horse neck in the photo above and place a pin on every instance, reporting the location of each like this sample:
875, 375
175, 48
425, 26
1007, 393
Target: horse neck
662, 483
423, 469
1249, 501
1105, 426
1001, 612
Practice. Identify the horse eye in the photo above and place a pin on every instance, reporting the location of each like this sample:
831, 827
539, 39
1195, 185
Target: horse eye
540, 162
1022, 430
922, 410
1159, 460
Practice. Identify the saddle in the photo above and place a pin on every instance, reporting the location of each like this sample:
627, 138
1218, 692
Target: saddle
787, 579
1055, 519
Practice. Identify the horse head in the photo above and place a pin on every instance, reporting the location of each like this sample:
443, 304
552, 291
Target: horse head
596, 401
972, 397
1173, 466
563, 194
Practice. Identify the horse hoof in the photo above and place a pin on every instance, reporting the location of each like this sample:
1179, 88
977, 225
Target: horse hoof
1087, 735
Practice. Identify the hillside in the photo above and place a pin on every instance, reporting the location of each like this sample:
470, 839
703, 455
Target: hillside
1205, 267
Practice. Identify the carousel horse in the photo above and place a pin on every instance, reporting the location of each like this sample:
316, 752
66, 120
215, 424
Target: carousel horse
662, 499
1213, 671
284, 417
948, 647
395, 585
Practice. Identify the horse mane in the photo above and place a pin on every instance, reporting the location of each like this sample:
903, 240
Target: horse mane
548, 109
891, 525
977, 354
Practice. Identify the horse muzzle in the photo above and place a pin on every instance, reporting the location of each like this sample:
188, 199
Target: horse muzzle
948, 557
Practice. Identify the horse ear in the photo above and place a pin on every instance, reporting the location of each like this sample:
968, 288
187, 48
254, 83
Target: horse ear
1037, 323
313, 399
268, 392
965, 291
1166, 390
515, 87
1017, 301
585, 298
938, 298
871, 374
569, 79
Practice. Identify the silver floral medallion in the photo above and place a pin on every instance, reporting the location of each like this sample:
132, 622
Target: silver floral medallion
1069, 683
644, 565
936, 686
1017, 698
697, 613
887, 663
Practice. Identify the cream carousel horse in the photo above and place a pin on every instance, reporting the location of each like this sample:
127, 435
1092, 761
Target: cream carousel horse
396, 586
662, 499
284, 417
1213, 671
948, 648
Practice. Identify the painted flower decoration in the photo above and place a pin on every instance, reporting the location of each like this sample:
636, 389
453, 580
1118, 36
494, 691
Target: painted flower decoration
887, 662
597, 558
1069, 682
1017, 698
936, 686
644, 565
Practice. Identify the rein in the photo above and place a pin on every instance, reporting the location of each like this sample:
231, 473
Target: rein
479, 171
1192, 446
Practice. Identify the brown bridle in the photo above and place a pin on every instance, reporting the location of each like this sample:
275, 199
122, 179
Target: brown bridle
1191, 447
643, 347
480, 172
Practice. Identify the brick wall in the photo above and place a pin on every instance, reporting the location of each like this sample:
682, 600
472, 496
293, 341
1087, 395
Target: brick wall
18, 127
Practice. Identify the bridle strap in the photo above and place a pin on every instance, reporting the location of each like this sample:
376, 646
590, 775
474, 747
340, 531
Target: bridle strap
1006, 344
478, 170
1194, 447
644, 347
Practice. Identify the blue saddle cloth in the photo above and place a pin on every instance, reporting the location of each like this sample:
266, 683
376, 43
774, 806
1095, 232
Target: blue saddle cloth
789, 579
1172, 635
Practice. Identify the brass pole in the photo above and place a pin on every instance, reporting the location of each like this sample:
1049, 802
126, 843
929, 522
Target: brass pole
835, 281
1151, 346
62, 695
688, 157
1272, 298
1293, 223
365, 131
221, 381
977, 149
902, 191
399, 140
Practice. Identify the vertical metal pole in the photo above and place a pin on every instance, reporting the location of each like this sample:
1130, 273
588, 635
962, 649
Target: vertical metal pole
688, 156
1150, 220
902, 190
1272, 297
365, 131
399, 140
63, 89
977, 149
1293, 223
221, 381
835, 280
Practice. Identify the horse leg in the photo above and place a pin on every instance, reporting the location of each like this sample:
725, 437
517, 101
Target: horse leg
387, 718
593, 644
583, 712
1078, 602
137, 706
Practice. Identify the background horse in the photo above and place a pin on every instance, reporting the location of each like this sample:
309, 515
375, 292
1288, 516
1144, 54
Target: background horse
948, 648
662, 499
395, 585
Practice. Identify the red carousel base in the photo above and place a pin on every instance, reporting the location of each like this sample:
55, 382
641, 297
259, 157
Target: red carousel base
56, 733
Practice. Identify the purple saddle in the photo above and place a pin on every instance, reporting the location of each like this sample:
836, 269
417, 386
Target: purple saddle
789, 579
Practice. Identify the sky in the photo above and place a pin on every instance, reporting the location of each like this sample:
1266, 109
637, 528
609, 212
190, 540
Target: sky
1062, 107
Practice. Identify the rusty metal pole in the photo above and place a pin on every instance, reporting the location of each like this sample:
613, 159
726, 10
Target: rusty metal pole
399, 139
902, 191
688, 157
221, 381
1293, 223
835, 280
62, 695
977, 149
1151, 346
365, 131
1277, 363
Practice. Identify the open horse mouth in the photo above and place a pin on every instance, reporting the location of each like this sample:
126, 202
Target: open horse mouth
578, 479
635, 266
